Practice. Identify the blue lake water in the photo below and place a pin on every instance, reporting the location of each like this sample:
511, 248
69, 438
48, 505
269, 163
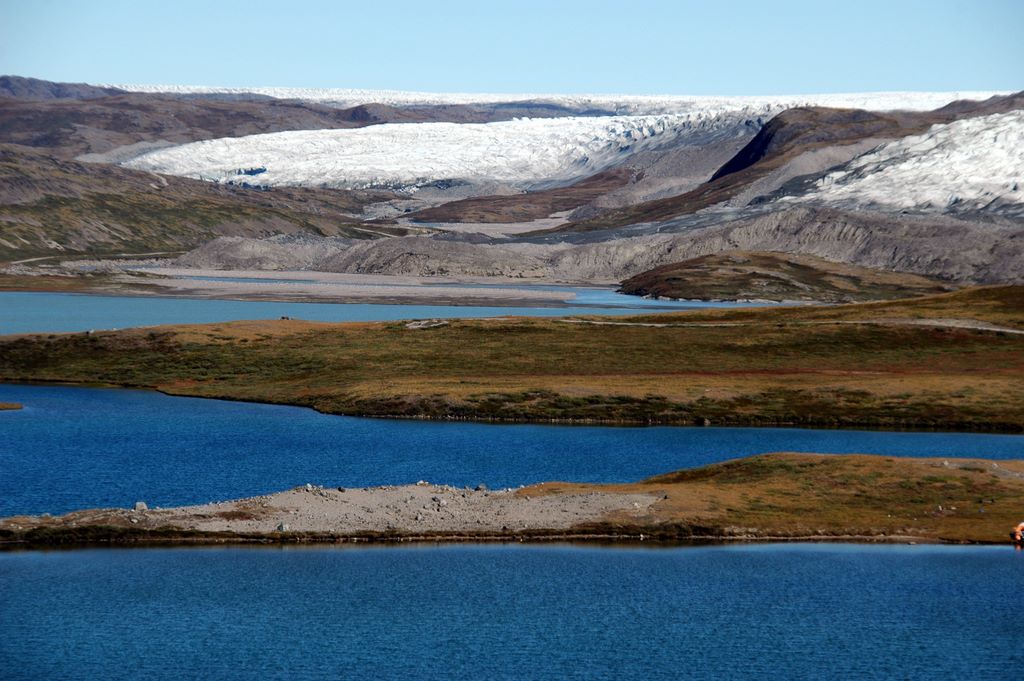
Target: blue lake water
481, 611
73, 448
22, 312
514, 612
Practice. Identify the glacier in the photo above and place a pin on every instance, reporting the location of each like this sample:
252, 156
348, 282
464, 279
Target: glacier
518, 153
966, 165
617, 104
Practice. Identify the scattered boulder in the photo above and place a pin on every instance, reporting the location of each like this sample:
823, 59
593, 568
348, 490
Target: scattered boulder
141, 506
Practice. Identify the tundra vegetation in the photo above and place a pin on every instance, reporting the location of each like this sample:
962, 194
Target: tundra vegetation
952, 361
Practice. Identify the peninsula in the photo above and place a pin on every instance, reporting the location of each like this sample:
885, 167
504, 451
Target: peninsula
952, 361
807, 497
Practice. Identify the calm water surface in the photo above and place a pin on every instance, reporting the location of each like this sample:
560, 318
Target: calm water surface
73, 448
481, 611
514, 612
22, 312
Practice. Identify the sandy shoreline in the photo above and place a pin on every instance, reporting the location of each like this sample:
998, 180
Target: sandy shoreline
322, 286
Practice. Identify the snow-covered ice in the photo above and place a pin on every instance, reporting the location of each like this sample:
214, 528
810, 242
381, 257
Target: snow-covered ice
519, 152
964, 165
616, 104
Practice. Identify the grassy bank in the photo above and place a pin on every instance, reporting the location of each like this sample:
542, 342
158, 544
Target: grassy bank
814, 495
912, 363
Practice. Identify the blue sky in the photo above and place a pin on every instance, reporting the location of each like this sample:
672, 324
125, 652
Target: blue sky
654, 47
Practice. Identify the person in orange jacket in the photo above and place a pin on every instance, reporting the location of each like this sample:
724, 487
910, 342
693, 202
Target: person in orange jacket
1018, 533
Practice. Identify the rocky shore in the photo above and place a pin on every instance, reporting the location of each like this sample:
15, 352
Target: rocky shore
315, 513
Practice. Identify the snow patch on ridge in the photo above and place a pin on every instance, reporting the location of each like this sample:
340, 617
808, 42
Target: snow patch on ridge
970, 164
520, 152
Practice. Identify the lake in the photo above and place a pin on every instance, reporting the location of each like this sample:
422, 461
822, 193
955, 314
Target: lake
31, 312
743, 611
811, 611
73, 448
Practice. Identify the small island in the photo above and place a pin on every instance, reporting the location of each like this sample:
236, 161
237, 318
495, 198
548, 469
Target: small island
772, 497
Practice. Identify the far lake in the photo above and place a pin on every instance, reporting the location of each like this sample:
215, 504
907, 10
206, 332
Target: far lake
73, 448
23, 312
757, 612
